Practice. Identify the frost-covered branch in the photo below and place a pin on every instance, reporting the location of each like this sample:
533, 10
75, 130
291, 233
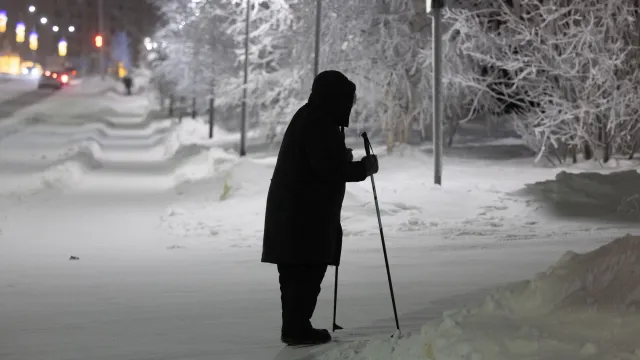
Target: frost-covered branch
568, 67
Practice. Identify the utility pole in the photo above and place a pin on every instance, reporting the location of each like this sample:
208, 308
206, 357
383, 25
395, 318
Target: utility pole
243, 125
101, 62
435, 6
316, 59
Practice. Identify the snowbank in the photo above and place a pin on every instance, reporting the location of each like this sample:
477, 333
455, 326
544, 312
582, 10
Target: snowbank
584, 305
615, 195
64, 173
197, 162
69, 173
219, 204
196, 131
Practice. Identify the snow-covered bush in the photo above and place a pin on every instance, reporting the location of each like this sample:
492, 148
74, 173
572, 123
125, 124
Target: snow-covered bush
570, 66
631, 206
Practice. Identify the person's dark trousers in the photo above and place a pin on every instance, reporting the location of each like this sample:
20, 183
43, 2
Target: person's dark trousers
299, 290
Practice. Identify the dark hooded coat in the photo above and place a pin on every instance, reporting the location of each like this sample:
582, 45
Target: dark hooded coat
302, 222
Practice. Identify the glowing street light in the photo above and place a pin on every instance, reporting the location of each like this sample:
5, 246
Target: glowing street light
55, 29
43, 20
3, 21
32, 8
20, 30
72, 29
33, 41
62, 47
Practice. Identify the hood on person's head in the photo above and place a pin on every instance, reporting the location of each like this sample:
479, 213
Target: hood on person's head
333, 95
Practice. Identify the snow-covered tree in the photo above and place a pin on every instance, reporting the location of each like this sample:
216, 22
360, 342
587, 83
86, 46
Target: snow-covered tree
571, 67
274, 76
196, 47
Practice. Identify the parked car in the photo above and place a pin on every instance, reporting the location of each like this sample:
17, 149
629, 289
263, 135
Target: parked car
53, 80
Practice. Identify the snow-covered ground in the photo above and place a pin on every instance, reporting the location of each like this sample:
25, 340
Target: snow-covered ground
167, 228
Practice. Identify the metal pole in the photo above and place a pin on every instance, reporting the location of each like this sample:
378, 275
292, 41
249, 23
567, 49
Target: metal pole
335, 302
243, 127
101, 32
437, 6
316, 59
369, 150
211, 114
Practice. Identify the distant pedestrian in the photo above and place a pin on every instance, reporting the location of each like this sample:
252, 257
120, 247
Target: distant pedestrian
128, 83
302, 232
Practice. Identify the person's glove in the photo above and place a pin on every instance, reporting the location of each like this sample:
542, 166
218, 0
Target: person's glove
370, 163
349, 155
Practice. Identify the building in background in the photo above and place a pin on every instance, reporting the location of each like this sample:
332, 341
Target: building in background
77, 22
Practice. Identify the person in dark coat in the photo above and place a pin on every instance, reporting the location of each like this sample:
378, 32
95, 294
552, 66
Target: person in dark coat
302, 231
128, 83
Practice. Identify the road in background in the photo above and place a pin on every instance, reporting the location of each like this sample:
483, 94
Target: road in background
17, 94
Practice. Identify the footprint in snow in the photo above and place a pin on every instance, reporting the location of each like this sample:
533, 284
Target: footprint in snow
175, 212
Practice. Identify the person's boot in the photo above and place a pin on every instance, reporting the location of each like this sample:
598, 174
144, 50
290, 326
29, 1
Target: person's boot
308, 336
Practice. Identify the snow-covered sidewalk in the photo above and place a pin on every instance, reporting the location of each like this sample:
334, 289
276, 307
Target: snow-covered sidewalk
167, 229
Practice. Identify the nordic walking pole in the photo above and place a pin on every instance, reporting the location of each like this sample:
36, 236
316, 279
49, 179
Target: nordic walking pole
368, 149
335, 302
335, 282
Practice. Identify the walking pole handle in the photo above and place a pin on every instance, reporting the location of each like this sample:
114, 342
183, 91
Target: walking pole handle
367, 144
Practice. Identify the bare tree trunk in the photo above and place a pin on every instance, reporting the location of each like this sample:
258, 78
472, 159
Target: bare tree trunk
634, 148
453, 129
587, 151
607, 146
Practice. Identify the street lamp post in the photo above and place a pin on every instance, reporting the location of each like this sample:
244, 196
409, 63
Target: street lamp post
435, 7
101, 31
316, 59
243, 125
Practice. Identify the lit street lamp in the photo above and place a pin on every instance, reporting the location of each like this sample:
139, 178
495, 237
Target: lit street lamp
62, 48
32, 8
20, 30
33, 41
72, 29
55, 29
43, 20
3, 21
